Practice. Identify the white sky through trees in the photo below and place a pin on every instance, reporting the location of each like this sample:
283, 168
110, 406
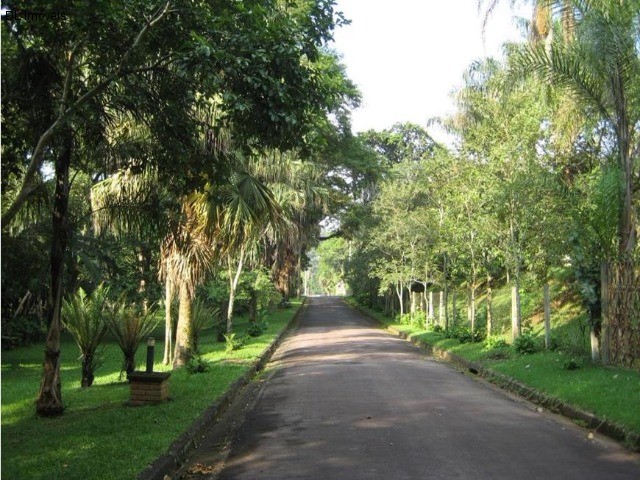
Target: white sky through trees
407, 56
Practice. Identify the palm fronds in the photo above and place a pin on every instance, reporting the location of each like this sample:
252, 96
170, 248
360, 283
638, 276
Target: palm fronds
129, 325
85, 317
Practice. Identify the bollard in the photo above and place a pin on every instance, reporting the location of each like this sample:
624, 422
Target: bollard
151, 343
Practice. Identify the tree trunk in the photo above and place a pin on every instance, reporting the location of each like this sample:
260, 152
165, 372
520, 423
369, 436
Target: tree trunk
594, 336
454, 310
253, 306
430, 315
87, 372
472, 309
547, 316
414, 304
489, 307
168, 325
184, 330
233, 285
516, 315
441, 308
606, 318
400, 293
49, 402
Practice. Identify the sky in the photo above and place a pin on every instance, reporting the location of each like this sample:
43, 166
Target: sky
407, 56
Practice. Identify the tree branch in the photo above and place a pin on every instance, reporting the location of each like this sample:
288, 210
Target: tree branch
38, 154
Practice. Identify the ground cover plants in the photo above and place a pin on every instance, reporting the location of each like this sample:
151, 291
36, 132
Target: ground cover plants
99, 436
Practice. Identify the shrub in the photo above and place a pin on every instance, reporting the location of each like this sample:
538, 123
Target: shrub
437, 328
526, 343
570, 364
463, 334
22, 330
404, 319
84, 316
232, 343
197, 364
494, 342
129, 325
259, 326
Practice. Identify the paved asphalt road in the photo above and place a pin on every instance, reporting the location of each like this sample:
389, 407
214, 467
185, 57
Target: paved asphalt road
349, 401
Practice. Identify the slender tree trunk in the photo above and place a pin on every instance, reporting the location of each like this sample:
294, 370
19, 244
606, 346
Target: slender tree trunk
184, 330
489, 307
430, 307
441, 308
516, 316
594, 336
472, 309
168, 324
49, 400
400, 293
446, 296
233, 285
414, 306
454, 310
606, 318
547, 316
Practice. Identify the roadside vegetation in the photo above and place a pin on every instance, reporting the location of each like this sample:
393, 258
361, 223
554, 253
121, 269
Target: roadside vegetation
565, 371
100, 436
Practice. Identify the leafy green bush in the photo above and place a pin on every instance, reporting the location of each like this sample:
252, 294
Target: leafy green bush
197, 364
494, 342
570, 364
437, 328
404, 319
22, 330
258, 327
232, 343
85, 317
526, 343
463, 334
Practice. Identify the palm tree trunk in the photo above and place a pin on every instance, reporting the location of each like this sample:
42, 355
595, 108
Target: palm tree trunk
49, 400
184, 330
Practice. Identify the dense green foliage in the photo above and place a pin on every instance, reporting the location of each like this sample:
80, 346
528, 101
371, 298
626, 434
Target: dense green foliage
100, 435
539, 188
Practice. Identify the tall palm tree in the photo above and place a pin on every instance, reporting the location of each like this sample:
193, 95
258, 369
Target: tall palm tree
300, 189
600, 70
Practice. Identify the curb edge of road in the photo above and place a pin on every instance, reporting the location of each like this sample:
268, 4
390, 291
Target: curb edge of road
630, 440
180, 449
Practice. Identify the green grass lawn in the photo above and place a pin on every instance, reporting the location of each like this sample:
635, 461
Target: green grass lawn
609, 392
99, 436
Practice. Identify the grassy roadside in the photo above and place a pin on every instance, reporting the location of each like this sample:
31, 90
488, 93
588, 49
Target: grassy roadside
609, 392
99, 436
